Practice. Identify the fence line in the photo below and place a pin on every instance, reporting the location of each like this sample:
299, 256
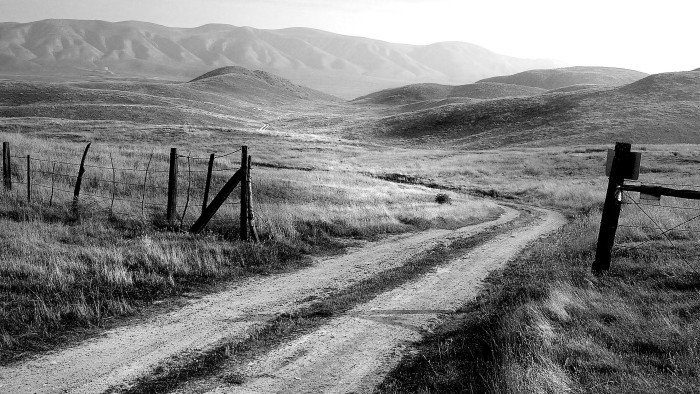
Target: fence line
51, 175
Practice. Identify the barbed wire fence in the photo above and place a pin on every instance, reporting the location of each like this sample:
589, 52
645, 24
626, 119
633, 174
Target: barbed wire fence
650, 218
674, 219
129, 189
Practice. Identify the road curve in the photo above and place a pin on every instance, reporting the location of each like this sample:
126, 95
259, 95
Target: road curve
353, 353
121, 356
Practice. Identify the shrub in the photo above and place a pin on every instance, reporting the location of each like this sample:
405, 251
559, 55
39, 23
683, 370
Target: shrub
443, 198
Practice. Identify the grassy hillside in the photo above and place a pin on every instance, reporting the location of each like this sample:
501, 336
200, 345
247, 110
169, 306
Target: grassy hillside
423, 92
561, 77
546, 324
255, 85
573, 88
662, 108
229, 98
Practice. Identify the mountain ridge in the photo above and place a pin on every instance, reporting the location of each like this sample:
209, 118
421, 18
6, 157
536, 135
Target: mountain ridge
346, 66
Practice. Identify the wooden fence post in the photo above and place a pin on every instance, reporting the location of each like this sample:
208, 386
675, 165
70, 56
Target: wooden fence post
244, 194
79, 180
208, 184
251, 215
172, 187
611, 209
29, 178
6, 166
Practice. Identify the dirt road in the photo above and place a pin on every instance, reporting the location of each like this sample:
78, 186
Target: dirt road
352, 353
125, 354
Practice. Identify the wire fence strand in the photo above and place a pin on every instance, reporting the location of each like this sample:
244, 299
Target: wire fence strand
663, 233
56, 175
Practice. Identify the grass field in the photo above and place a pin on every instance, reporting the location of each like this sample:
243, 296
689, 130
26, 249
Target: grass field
329, 175
545, 324
61, 272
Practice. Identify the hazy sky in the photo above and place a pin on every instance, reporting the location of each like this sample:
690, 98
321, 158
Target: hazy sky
643, 35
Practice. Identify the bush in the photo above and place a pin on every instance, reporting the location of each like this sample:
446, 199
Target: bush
443, 198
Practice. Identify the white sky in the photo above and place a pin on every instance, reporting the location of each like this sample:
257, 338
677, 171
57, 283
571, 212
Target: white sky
642, 35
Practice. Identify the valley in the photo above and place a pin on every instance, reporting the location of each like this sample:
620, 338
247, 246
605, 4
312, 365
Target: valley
497, 285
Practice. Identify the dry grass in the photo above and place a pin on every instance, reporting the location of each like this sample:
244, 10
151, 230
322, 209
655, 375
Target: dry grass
61, 272
547, 325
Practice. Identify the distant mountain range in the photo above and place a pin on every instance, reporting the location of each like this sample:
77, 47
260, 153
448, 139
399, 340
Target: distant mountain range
345, 66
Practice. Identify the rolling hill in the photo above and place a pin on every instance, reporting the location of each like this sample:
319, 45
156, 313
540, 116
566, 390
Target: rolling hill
661, 109
561, 77
337, 64
256, 85
423, 92
228, 97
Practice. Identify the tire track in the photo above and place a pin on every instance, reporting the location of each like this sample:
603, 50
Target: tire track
353, 353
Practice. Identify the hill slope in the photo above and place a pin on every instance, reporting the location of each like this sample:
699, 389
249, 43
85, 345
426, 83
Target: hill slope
562, 77
222, 98
255, 84
422, 92
337, 64
661, 108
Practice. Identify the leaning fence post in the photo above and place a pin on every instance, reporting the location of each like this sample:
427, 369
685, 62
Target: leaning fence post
208, 184
611, 209
172, 187
216, 202
29, 178
79, 180
244, 194
249, 202
6, 166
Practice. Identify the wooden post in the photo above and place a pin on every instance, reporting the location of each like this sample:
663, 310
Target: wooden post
244, 194
6, 166
79, 181
53, 172
143, 191
611, 210
114, 184
29, 179
217, 202
208, 184
172, 187
189, 183
249, 202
